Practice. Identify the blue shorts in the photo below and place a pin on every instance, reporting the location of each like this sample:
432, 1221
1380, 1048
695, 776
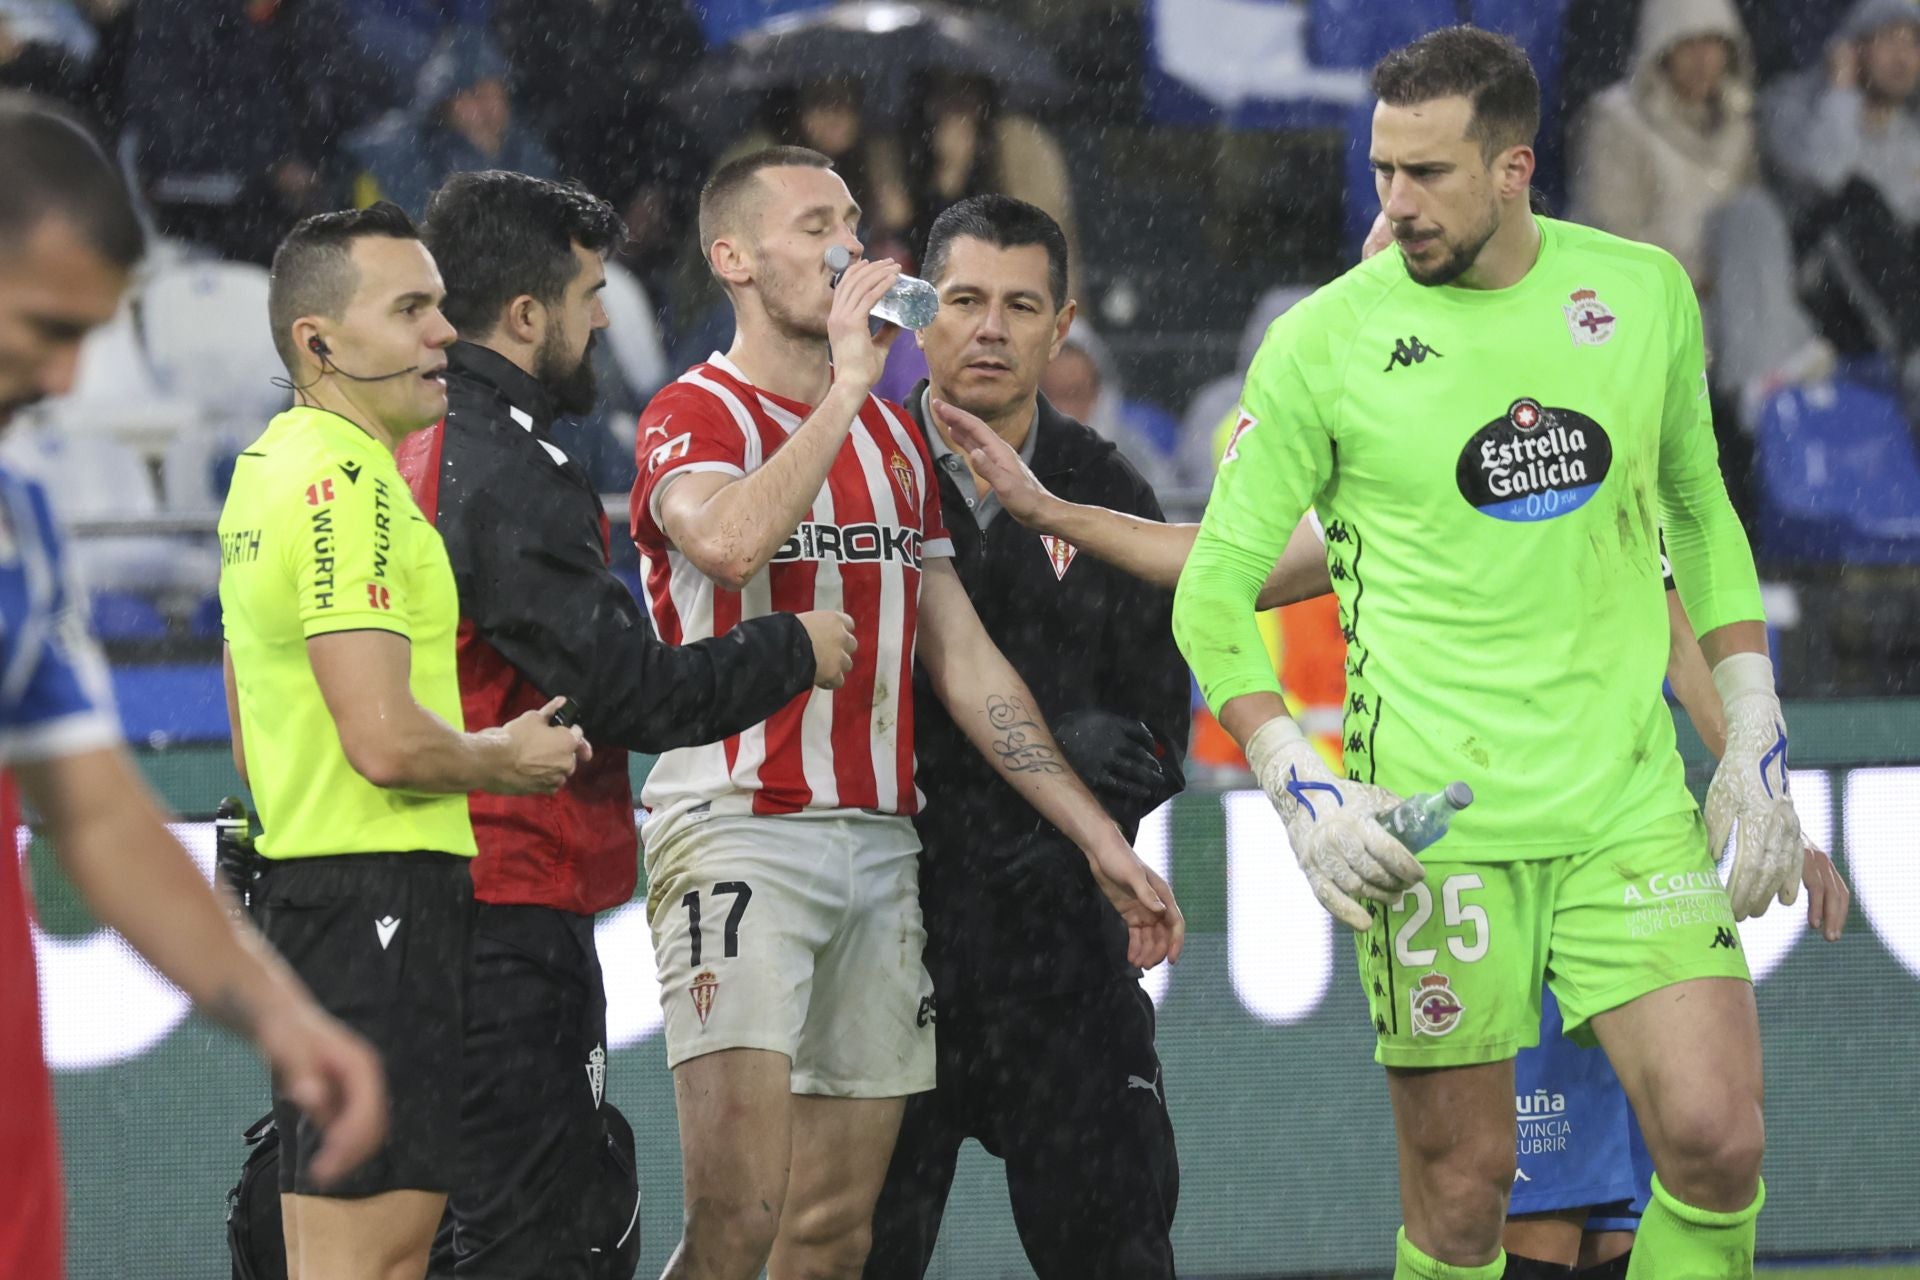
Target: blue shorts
1577, 1143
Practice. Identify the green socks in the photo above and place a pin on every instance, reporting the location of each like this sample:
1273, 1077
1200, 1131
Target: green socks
1411, 1264
1680, 1242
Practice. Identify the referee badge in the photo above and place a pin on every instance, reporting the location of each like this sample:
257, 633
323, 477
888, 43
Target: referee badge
704, 985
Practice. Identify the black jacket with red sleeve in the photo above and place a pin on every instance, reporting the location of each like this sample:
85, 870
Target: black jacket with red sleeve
542, 615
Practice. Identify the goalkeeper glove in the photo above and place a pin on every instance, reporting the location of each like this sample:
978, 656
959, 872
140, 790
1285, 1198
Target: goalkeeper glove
1748, 795
1344, 853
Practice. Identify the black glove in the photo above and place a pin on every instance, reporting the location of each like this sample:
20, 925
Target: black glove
1119, 760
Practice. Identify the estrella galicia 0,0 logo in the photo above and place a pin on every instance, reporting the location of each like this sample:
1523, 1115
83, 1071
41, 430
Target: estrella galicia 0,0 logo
1534, 463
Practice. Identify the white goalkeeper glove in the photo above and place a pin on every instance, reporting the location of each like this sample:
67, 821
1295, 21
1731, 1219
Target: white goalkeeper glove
1345, 854
1748, 796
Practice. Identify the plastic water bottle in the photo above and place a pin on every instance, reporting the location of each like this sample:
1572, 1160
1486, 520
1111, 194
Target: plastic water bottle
911, 303
1418, 821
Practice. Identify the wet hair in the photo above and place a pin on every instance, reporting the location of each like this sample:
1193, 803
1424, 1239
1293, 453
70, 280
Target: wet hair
1489, 70
728, 195
1005, 223
499, 235
55, 167
313, 271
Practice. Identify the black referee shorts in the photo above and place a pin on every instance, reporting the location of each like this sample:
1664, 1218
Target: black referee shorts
1067, 1090
382, 941
532, 1136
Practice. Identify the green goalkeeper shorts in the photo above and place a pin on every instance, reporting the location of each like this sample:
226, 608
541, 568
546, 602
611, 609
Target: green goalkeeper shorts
1453, 969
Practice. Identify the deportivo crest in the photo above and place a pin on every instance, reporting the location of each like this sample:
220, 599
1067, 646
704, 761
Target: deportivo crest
1060, 553
597, 1074
1589, 320
1436, 1010
902, 476
704, 985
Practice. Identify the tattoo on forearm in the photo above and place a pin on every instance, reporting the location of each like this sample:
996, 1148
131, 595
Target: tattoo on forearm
1018, 738
231, 1010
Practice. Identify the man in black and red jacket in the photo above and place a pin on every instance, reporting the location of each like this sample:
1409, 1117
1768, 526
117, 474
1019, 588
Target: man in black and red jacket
542, 613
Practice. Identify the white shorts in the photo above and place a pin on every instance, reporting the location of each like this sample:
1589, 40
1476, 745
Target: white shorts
798, 934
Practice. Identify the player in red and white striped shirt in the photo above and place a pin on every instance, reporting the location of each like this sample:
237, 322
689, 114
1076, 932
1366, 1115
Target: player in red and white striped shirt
782, 864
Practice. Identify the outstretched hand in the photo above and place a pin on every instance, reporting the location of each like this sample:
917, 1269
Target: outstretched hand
994, 460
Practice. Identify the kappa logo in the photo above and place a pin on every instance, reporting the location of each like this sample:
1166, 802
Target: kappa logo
597, 1074
927, 1014
1724, 939
1436, 1010
703, 989
1589, 320
1060, 554
1151, 1086
1408, 352
384, 928
903, 476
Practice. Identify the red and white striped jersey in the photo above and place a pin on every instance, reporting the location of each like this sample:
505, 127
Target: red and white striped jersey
859, 549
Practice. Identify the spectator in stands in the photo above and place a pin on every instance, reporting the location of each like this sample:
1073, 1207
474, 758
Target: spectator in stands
612, 130
958, 142
1081, 383
1656, 152
399, 35
1845, 138
236, 107
462, 119
1854, 116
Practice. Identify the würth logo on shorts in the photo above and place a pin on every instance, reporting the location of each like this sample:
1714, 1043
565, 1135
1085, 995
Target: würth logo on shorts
1408, 352
1436, 1010
704, 985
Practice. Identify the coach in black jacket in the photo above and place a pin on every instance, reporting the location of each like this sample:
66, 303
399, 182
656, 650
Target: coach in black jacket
541, 613
1045, 1041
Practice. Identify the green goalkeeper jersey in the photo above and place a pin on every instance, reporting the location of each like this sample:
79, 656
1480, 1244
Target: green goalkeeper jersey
1492, 469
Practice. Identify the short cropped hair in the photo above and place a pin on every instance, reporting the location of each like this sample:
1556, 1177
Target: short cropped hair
313, 271
52, 165
498, 235
1489, 70
1005, 223
728, 195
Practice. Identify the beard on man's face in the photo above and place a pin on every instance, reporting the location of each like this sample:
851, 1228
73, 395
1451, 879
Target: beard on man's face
570, 381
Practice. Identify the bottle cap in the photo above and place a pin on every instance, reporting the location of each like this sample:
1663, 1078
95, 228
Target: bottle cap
1458, 794
838, 259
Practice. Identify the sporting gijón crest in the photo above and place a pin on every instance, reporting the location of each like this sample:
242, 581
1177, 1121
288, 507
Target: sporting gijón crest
903, 476
1060, 553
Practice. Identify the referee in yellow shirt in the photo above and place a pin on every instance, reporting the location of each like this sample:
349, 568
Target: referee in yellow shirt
340, 613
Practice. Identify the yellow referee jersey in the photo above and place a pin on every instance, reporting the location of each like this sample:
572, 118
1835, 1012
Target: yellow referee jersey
320, 535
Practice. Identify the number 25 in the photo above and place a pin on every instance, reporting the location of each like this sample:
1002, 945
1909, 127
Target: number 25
1456, 913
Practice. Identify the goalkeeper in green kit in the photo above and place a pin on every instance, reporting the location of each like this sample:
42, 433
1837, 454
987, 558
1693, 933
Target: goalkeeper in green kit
1493, 425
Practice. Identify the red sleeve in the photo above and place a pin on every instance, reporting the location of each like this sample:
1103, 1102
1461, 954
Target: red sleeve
683, 429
